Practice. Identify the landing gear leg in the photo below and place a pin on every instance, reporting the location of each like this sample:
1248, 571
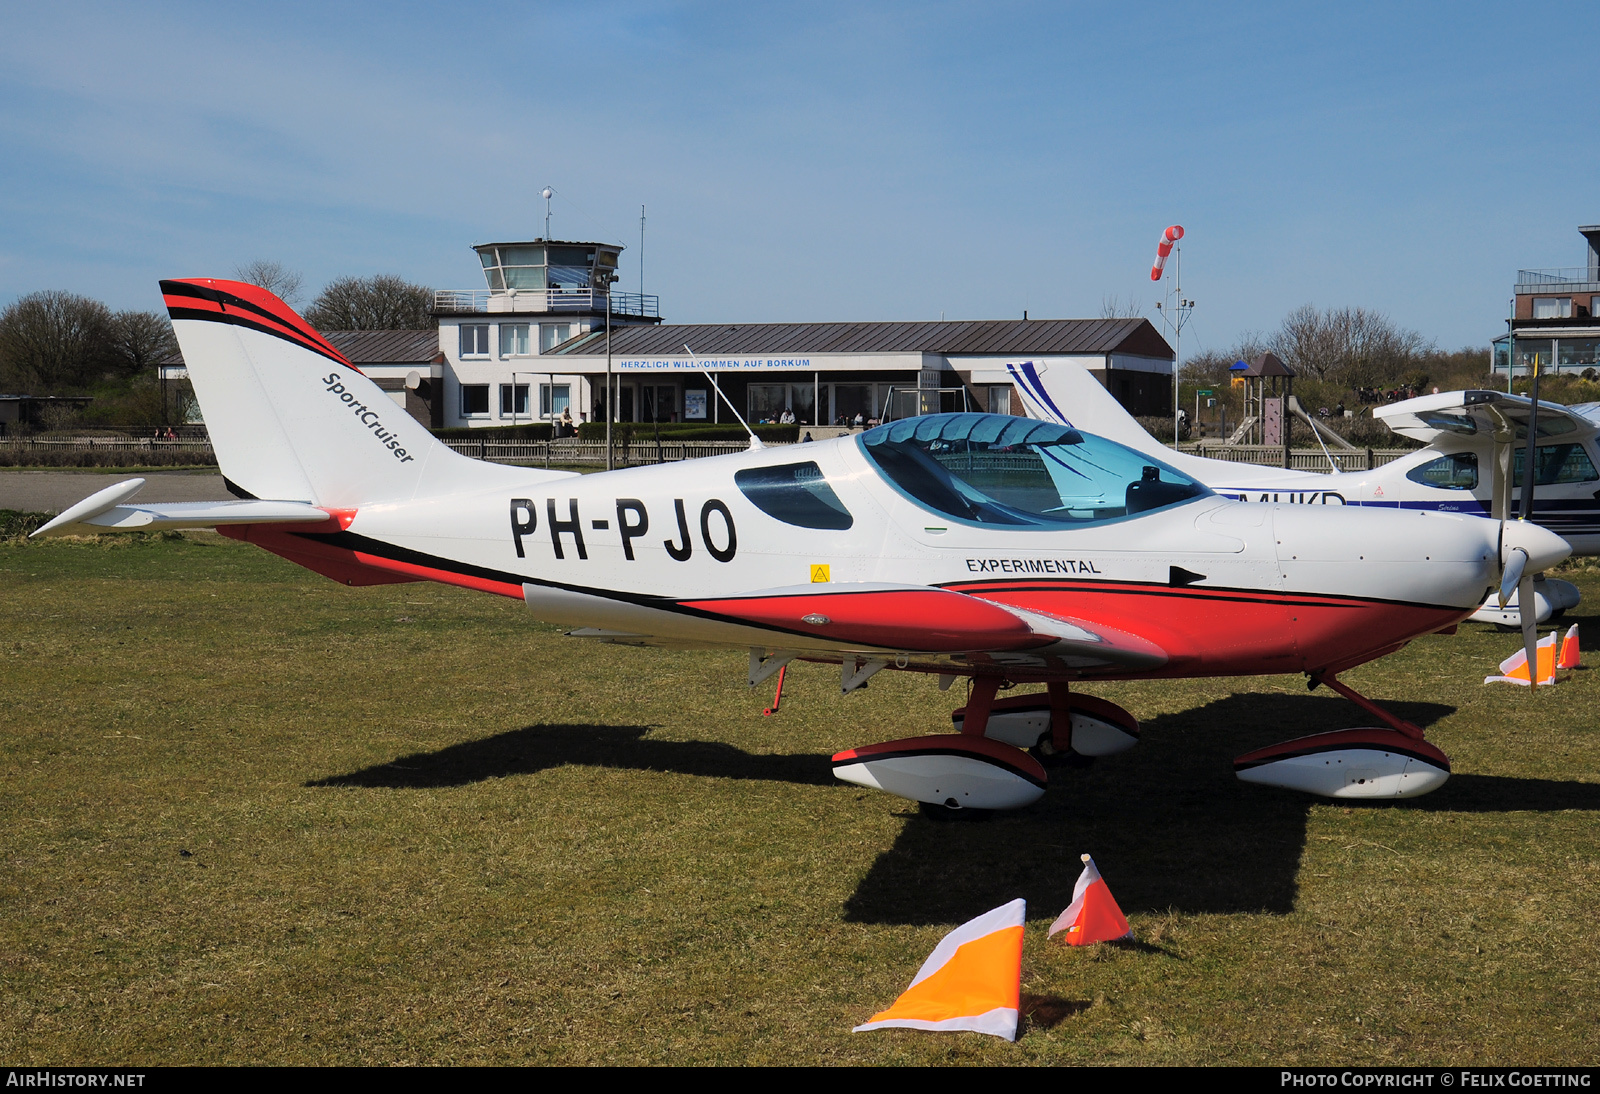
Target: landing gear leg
979, 704
1350, 693
1055, 748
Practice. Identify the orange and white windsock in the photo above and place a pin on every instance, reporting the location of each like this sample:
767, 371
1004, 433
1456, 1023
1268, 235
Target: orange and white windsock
1164, 248
1514, 669
1570, 657
1093, 915
971, 981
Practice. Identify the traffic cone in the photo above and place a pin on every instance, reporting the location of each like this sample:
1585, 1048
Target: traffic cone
970, 982
1093, 915
1570, 657
1514, 669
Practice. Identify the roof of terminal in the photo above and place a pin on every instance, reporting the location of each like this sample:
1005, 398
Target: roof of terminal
972, 337
383, 347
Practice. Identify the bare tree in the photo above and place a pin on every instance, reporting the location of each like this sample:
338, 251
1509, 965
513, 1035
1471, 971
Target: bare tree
1350, 346
1112, 307
52, 340
275, 277
138, 341
1216, 365
383, 302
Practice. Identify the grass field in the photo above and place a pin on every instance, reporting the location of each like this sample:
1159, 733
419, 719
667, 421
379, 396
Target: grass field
253, 816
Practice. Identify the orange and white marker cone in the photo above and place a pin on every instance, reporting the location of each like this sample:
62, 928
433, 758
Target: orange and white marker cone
1570, 657
1093, 915
970, 982
1514, 669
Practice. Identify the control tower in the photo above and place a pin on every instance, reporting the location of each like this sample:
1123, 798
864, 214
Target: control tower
542, 277
539, 294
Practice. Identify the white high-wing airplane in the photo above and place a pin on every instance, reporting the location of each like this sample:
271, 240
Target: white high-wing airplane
1472, 463
998, 549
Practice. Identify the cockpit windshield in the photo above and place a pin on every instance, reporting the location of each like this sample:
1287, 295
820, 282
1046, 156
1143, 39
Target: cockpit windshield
997, 469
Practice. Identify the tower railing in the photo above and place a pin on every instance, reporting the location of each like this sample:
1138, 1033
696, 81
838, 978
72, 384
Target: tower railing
475, 301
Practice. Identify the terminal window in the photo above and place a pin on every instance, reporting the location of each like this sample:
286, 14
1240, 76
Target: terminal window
513, 400
513, 339
474, 339
552, 335
474, 399
553, 399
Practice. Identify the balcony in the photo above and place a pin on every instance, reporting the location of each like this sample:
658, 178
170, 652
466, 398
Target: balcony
1558, 279
470, 301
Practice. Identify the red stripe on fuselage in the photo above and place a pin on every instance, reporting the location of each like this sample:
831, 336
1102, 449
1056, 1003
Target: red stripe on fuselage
1232, 632
350, 567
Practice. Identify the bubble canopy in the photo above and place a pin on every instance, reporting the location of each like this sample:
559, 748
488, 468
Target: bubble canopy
995, 469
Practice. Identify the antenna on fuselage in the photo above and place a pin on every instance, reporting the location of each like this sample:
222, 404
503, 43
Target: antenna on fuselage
755, 442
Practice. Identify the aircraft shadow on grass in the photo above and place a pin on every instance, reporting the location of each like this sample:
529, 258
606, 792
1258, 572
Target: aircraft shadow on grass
1167, 822
538, 748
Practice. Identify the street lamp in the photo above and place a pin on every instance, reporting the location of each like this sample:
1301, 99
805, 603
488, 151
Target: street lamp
605, 280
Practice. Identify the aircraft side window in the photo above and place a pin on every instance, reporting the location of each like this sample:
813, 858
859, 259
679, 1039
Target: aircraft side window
1555, 463
795, 493
1458, 471
998, 469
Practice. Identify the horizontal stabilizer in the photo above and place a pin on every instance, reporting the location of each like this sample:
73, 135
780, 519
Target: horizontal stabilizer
92, 516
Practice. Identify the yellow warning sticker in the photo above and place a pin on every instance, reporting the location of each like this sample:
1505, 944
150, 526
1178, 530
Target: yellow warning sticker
819, 573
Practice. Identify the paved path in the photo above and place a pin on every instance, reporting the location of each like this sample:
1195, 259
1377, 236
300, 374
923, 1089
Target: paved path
53, 491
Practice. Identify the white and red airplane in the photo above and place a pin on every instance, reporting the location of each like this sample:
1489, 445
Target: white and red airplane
1000, 550
1472, 462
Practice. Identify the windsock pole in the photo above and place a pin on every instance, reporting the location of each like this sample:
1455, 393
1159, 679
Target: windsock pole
1168, 245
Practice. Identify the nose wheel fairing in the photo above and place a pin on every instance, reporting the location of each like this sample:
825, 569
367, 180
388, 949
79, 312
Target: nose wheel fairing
1349, 763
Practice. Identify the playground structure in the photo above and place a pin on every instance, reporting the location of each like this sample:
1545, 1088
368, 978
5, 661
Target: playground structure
1270, 405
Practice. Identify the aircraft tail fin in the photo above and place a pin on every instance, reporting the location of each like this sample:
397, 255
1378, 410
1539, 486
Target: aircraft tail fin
1052, 391
291, 419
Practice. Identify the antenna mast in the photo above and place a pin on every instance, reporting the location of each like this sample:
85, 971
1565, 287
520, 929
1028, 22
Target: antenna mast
755, 442
547, 194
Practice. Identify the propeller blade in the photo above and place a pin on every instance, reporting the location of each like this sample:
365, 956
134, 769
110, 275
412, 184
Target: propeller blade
1528, 612
1528, 472
1511, 581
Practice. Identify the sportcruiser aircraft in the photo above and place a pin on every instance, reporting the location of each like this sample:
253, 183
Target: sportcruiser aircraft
990, 549
1473, 463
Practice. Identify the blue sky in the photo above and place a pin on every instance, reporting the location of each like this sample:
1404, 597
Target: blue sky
816, 161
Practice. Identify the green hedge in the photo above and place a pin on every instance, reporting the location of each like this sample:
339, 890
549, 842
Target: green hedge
644, 432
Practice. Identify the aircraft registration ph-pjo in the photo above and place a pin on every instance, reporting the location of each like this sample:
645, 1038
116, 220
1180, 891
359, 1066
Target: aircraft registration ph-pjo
996, 549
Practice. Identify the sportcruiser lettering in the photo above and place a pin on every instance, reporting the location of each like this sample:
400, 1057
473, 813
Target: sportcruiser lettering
368, 416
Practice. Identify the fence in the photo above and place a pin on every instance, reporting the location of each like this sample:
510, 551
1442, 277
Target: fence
592, 453
573, 452
1300, 459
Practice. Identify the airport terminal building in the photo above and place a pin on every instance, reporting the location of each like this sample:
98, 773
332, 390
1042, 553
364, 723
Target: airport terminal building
532, 345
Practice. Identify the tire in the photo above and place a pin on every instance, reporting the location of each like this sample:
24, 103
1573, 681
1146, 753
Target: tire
948, 814
1045, 752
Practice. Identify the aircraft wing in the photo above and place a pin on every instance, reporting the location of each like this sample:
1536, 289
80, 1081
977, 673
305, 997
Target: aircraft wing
105, 511
1430, 418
